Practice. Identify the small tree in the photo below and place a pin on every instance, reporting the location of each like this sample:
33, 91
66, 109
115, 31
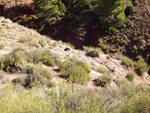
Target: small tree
111, 13
48, 11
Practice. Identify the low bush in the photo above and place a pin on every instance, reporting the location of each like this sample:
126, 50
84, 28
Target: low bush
17, 60
94, 53
38, 76
136, 2
141, 66
105, 48
139, 39
102, 69
125, 60
40, 55
42, 43
25, 39
13, 62
130, 76
63, 99
19, 48
104, 80
70, 45
75, 71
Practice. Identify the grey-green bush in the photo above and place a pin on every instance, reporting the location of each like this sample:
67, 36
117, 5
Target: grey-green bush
75, 71
104, 80
130, 76
38, 76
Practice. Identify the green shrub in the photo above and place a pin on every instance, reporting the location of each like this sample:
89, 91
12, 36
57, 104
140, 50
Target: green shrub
139, 39
38, 76
1, 46
40, 55
17, 60
42, 43
105, 48
136, 2
129, 10
111, 14
121, 81
23, 39
102, 69
70, 45
13, 62
93, 2
86, 4
141, 66
131, 76
94, 53
19, 48
69, 99
104, 80
63, 99
75, 71
125, 60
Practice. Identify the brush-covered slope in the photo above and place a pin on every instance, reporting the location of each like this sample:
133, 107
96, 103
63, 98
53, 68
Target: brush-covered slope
38, 74
27, 41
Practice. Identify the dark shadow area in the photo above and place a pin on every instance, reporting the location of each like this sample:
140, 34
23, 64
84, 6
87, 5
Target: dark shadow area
87, 54
19, 10
57, 70
1, 10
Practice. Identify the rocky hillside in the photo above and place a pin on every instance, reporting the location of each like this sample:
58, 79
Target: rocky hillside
132, 40
15, 36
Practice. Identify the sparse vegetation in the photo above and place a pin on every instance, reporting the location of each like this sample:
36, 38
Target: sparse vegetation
125, 60
102, 69
40, 55
75, 71
38, 76
105, 48
139, 39
131, 76
141, 66
42, 43
25, 39
70, 45
18, 59
104, 80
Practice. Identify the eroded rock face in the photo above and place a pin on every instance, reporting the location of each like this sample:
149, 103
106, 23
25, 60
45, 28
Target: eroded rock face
10, 8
